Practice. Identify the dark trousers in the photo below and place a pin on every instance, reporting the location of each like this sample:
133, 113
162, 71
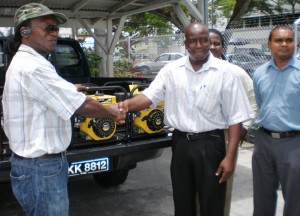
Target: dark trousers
274, 161
193, 168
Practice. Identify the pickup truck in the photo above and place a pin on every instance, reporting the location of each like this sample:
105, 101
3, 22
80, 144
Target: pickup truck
99, 147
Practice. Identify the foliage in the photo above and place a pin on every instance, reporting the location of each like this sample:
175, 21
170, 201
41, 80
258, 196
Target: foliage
81, 41
143, 24
265, 7
93, 62
93, 59
225, 6
153, 24
292, 3
122, 65
124, 74
272, 6
122, 68
82, 32
235, 9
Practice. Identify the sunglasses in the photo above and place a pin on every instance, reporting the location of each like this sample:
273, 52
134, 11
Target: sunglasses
48, 27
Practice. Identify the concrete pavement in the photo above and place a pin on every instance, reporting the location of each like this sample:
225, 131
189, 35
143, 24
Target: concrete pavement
147, 192
242, 194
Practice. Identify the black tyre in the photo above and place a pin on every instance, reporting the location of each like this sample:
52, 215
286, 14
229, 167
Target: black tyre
109, 179
145, 70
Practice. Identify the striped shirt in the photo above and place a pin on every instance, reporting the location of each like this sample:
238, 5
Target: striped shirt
248, 87
199, 101
37, 105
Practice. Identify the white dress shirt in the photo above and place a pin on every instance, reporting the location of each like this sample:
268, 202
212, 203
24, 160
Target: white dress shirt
199, 101
247, 83
37, 105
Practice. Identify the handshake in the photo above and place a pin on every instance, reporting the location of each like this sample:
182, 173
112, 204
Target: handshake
119, 111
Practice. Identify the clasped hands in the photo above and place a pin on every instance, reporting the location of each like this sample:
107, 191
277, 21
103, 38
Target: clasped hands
120, 110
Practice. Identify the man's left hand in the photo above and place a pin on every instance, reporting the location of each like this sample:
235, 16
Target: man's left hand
225, 170
244, 133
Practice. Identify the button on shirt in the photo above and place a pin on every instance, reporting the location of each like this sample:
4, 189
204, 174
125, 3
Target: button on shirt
37, 105
199, 101
277, 95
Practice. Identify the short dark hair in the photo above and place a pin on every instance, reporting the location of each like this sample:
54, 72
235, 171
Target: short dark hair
280, 27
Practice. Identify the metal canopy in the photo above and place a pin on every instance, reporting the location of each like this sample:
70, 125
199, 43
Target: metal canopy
99, 15
91, 10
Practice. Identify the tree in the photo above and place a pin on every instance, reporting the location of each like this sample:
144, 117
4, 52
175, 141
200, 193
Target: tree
154, 24
241, 6
270, 7
226, 6
267, 7
162, 21
292, 3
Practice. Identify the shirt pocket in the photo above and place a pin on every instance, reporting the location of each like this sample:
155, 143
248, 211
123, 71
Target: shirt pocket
208, 102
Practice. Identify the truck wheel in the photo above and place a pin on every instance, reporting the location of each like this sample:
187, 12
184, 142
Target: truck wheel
109, 179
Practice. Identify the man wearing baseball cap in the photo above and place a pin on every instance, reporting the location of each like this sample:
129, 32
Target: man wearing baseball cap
37, 107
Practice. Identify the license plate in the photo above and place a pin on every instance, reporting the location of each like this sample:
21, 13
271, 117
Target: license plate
89, 166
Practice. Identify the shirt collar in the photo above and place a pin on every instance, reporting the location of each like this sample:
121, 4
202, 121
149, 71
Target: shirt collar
30, 50
210, 63
293, 62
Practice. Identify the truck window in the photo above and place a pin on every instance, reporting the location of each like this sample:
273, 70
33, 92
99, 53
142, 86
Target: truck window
64, 55
67, 61
1, 56
3, 62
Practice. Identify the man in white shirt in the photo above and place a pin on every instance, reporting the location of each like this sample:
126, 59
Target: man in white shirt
37, 107
201, 99
216, 48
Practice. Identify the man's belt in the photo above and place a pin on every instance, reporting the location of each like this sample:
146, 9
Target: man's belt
196, 136
285, 134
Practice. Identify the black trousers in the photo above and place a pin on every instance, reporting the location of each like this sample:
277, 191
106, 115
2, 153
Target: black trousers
193, 168
274, 161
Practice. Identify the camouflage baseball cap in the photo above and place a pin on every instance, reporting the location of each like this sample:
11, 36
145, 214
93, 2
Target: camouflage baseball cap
34, 10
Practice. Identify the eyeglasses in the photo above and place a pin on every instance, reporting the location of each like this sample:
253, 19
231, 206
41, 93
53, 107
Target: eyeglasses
48, 27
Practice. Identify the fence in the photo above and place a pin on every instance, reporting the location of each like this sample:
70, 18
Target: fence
248, 48
245, 47
153, 46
